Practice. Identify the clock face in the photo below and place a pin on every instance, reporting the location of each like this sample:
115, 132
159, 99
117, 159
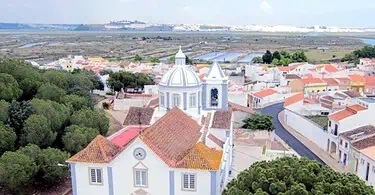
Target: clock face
139, 153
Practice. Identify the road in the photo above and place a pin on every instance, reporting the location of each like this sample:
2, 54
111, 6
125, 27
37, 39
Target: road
301, 149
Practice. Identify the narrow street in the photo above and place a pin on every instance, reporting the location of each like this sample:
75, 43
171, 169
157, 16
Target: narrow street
302, 150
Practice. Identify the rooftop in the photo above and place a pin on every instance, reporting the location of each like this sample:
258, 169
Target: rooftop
356, 78
370, 151
201, 157
222, 119
125, 136
139, 116
265, 93
368, 100
359, 133
347, 112
331, 82
293, 99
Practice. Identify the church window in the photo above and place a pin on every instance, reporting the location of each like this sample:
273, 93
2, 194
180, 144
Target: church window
162, 99
193, 100
214, 97
176, 100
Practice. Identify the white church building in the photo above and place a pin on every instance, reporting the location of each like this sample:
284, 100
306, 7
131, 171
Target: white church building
181, 146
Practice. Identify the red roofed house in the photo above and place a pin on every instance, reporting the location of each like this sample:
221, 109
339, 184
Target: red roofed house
181, 144
357, 82
369, 85
308, 85
332, 84
264, 97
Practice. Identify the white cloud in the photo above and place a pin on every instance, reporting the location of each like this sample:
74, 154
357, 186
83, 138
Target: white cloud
266, 7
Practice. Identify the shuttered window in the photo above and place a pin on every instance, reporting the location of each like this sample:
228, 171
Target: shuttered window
96, 176
140, 177
189, 181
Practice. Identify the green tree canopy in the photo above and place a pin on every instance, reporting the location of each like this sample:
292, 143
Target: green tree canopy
276, 55
18, 113
7, 139
91, 118
9, 88
4, 107
57, 114
299, 56
48, 161
31, 150
76, 138
77, 102
365, 52
50, 92
123, 79
37, 130
16, 170
294, 176
258, 60
154, 60
259, 122
267, 57
137, 57
58, 78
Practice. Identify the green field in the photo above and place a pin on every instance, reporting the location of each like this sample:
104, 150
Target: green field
316, 56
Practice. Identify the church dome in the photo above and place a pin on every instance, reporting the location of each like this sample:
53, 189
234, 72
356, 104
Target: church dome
180, 76
180, 54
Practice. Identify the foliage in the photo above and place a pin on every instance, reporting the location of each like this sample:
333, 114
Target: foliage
92, 119
299, 56
16, 170
48, 161
37, 130
154, 60
31, 150
267, 57
76, 138
276, 55
105, 72
30, 87
105, 105
9, 88
293, 176
18, 113
58, 78
77, 102
259, 122
4, 107
57, 114
188, 60
366, 52
7, 138
123, 79
50, 92
137, 57
258, 60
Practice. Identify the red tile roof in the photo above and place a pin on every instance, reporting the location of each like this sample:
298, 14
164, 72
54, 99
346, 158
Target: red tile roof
153, 103
100, 150
331, 82
237, 107
356, 78
369, 80
286, 68
216, 140
293, 99
201, 157
124, 138
139, 116
172, 136
265, 93
222, 119
347, 112
312, 81
330, 68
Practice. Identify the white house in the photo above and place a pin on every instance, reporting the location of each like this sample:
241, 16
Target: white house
184, 148
263, 98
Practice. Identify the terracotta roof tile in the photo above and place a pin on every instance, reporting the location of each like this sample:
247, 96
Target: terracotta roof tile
292, 76
347, 112
331, 82
153, 103
139, 116
356, 78
352, 93
222, 119
100, 150
359, 133
293, 99
330, 68
216, 140
172, 136
265, 93
312, 81
369, 80
286, 68
237, 107
201, 157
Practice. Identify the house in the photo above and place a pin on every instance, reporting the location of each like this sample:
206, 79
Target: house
357, 83
332, 84
181, 144
286, 79
264, 97
308, 85
344, 83
369, 85
366, 61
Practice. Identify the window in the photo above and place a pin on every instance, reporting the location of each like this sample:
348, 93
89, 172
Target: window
140, 177
329, 123
336, 128
362, 161
373, 169
346, 145
162, 99
340, 142
176, 100
193, 101
214, 97
189, 181
96, 176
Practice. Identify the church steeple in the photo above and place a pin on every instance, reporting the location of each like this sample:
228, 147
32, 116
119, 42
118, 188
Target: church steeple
180, 58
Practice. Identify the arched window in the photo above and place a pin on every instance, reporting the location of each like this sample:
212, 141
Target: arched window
214, 97
176, 100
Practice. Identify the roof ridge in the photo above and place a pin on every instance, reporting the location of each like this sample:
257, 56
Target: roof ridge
102, 150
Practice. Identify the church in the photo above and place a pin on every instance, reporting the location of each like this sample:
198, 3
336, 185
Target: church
180, 144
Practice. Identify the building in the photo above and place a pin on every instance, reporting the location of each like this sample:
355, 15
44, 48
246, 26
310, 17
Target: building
263, 98
357, 83
181, 145
308, 85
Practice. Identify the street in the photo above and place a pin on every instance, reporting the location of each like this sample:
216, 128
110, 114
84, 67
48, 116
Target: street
302, 150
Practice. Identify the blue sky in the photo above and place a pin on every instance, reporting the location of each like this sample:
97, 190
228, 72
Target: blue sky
231, 12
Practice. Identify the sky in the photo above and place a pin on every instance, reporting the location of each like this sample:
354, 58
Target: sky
349, 13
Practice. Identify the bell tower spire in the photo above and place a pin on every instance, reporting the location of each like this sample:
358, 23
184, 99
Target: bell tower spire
180, 58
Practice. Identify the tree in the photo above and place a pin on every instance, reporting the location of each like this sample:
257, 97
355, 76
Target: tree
58, 78
267, 57
137, 57
48, 161
105, 72
37, 130
16, 170
257, 60
4, 107
276, 55
188, 60
299, 56
259, 122
123, 79
30, 88
31, 150
91, 118
154, 60
57, 114
9, 88
18, 113
7, 138
275, 61
77, 102
76, 138
50, 92
294, 176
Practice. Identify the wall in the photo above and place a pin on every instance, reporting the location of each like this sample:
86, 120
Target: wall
83, 182
125, 104
307, 128
362, 169
296, 86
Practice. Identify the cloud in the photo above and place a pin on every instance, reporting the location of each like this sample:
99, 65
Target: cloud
187, 8
266, 7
